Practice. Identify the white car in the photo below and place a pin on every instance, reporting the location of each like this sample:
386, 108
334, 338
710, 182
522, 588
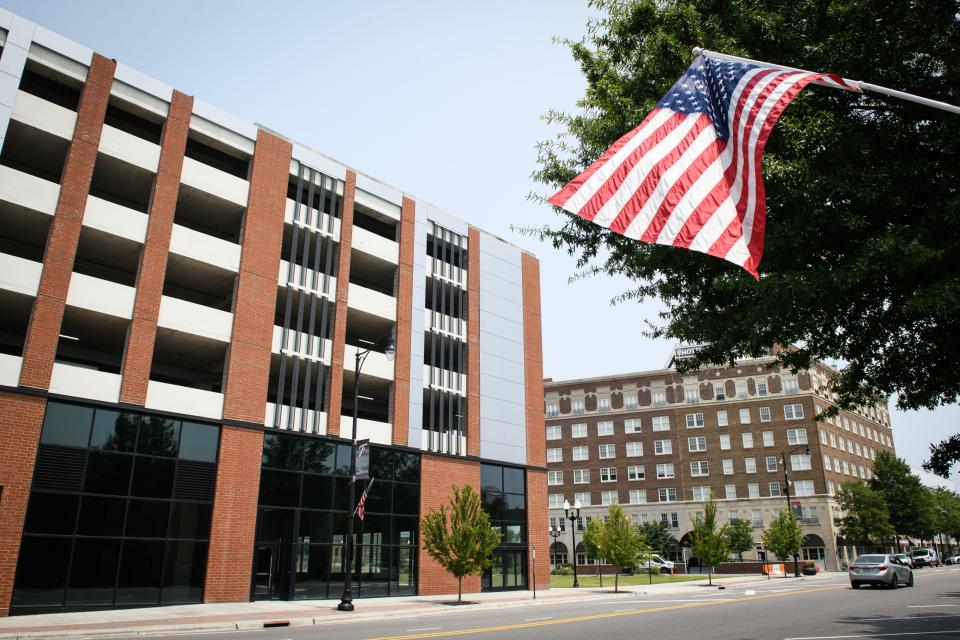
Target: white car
657, 564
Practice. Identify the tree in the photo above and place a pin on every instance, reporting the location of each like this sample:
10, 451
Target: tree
591, 543
784, 536
854, 184
947, 513
865, 515
907, 500
739, 536
619, 542
710, 542
658, 537
465, 545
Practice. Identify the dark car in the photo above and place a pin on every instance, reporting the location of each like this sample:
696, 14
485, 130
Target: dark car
879, 569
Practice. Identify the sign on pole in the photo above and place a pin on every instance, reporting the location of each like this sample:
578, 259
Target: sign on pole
362, 459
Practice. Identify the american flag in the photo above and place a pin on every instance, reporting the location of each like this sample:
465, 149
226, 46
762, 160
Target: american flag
361, 506
689, 175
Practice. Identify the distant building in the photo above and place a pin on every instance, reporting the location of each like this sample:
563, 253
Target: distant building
661, 442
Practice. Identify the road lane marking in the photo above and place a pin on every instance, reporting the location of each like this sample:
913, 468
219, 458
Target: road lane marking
924, 618
426, 629
535, 619
598, 616
925, 606
877, 635
617, 614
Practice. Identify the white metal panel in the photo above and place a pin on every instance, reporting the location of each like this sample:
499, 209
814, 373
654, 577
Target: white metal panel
102, 296
379, 189
319, 161
63, 46
10, 367
312, 219
377, 203
205, 248
374, 245
379, 304
115, 219
28, 191
223, 126
197, 319
175, 398
81, 382
374, 430
130, 148
142, 82
215, 182
19, 274
44, 115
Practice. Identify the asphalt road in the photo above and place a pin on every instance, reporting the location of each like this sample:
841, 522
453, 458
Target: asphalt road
782, 609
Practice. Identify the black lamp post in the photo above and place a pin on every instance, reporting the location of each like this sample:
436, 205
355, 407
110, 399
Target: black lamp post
554, 533
390, 350
573, 514
786, 491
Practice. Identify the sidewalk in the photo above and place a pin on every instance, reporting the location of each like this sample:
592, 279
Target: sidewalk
258, 615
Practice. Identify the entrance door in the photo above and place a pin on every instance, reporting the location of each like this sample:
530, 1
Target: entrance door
273, 554
266, 575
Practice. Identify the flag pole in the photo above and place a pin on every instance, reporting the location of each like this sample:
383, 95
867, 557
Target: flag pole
863, 86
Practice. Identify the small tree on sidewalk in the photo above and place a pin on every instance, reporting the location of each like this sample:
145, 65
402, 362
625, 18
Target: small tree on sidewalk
591, 544
739, 536
465, 545
784, 536
620, 543
709, 540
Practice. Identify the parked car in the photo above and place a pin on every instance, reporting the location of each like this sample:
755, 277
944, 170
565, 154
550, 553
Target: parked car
657, 565
952, 560
904, 558
879, 569
924, 558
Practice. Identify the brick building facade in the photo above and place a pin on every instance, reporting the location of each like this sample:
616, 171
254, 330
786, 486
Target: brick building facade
661, 443
182, 299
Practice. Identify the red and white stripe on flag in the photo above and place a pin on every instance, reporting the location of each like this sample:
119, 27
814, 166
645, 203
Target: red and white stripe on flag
361, 506
674, 181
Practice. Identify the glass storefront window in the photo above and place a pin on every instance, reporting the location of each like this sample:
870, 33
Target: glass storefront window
126, 536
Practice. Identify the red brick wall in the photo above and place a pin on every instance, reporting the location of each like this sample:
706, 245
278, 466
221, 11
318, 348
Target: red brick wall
21, 417
437, 475
230, 558
340, 318
40, 346
533, 364
248, 362
153, 262
537, 533
473, 342
401, 365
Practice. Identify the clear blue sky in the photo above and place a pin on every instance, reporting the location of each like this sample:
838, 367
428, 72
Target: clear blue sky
442, 100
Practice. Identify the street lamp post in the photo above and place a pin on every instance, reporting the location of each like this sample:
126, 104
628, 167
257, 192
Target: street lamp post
786, 490
346, 598
554, 533
573, 514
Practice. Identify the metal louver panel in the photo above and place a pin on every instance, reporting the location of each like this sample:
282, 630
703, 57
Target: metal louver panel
59, 468
195, 480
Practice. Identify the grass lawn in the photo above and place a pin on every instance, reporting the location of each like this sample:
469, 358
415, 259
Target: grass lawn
593, 581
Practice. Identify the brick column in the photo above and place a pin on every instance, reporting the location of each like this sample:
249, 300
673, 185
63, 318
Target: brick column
248, 362
340, 317
437, 475
473, 342
153, 262
401, 365
533, 362
230, 557
536, 431
40, 346
537, 534
21, 418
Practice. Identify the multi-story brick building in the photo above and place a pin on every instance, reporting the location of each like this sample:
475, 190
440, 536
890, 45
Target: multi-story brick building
182, 296
660, 443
